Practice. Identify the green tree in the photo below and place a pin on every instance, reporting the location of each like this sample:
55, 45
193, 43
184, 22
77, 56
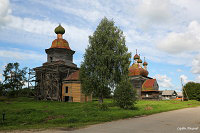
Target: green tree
1, 88
106, 60
14, 77
193, 91
124, 96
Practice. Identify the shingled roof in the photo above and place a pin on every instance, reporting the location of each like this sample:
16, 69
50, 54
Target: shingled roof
73, 76
168, 92
148, 84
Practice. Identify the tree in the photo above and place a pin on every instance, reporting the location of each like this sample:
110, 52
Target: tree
1, 88
14, 78
106, 60
193, 91
124, 96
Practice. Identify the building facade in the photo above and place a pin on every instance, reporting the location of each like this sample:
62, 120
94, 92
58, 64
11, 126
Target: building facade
51, 76
169, 94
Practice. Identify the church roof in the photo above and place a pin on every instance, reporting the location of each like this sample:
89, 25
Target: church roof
73, 76
135, 70
148, 84
60, 43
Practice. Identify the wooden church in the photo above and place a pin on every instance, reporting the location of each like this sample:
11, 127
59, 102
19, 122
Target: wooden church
146, 87
58, 78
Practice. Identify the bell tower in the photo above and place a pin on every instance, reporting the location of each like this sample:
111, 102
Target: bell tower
60, 50
59, 65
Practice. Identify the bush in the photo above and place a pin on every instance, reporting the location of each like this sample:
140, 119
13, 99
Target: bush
192, 90
124, 96
103, 107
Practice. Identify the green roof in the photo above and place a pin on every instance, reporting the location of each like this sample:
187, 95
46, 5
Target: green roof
59, 30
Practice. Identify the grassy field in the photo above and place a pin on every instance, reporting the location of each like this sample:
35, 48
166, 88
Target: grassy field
26, 113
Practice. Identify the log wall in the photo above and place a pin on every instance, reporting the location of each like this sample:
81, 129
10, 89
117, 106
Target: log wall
74, 90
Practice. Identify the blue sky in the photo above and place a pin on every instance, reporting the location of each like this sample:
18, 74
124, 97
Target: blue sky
166, 32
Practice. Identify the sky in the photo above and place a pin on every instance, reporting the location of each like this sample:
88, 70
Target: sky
165, 32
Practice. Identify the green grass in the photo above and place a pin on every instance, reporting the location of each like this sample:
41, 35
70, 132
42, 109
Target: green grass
26, 113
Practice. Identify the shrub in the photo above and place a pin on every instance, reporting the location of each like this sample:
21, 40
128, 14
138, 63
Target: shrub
192, 91
124, 96
103, 107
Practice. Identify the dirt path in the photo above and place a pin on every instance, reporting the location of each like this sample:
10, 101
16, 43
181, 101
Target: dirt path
178, 121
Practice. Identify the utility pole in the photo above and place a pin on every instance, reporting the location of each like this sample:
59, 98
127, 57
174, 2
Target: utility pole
182, 89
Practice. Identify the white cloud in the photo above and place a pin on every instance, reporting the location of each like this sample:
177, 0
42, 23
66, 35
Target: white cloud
41, 33
188, 40
197, 79
196, 65
155, 11
32, 25
164, 81
22, 55
184, 78
4, 12
179, 70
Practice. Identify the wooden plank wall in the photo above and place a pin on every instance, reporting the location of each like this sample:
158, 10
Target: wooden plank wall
74, 90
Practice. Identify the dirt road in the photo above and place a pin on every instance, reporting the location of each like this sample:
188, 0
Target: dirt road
178, 121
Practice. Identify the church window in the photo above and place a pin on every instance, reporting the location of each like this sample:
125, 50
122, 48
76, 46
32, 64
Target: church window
51, 59
66, 89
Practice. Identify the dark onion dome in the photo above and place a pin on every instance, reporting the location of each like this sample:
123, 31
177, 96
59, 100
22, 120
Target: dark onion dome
145, 63
59, 30
60, 43
136, 57
139, 61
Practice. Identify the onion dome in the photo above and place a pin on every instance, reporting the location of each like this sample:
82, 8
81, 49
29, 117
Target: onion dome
145, 73
139, 61
145, 63
59, 30
134, 70
136, 56
60, 43
141, 71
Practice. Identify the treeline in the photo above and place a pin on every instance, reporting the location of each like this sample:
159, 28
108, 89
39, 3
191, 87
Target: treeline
14, 81
192, 91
